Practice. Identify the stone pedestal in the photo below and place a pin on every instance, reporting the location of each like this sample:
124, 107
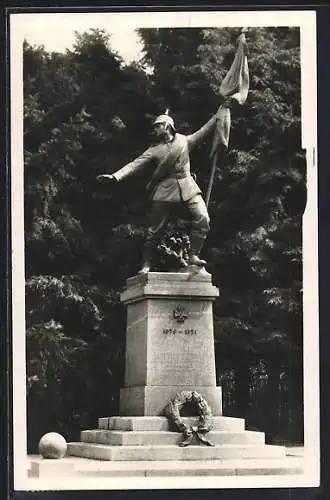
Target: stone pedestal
169, 341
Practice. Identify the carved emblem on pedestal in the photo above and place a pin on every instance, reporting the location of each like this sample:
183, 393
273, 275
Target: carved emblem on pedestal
180, 314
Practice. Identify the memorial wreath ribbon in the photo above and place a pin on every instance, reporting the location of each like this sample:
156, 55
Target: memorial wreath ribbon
202, 408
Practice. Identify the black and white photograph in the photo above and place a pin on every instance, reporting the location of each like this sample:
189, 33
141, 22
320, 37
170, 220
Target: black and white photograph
165, 328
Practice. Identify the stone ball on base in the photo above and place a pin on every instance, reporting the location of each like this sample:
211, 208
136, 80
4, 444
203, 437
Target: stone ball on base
52, 445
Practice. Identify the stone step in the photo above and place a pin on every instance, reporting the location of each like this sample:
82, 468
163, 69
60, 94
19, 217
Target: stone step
145, 423
76, 466
170, 452
215, 468
144, 438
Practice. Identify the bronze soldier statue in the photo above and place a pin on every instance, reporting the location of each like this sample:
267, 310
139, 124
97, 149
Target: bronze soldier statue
171, 184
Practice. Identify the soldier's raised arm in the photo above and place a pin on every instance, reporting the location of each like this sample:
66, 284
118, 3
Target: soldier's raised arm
130, 168
200, 134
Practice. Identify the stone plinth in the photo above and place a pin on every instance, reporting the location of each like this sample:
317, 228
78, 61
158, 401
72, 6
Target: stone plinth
151, 439
169, 341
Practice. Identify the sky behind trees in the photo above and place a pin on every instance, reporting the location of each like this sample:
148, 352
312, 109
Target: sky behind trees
57, 32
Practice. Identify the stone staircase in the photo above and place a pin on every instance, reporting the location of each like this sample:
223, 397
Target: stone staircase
133, 441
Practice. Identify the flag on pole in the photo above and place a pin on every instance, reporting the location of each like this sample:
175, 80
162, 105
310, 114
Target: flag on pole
235, 85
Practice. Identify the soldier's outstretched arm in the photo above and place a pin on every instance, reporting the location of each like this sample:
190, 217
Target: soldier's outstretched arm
131, 167
135, 165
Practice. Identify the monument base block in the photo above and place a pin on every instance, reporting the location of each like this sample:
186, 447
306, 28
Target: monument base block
169, 341
151, 400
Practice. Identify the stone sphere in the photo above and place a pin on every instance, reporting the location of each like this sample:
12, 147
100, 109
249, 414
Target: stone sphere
52, 445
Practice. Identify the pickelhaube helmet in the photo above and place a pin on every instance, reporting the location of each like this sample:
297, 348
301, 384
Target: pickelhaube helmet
165, 118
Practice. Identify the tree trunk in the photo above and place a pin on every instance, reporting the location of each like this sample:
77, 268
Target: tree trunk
242, 387
272, 401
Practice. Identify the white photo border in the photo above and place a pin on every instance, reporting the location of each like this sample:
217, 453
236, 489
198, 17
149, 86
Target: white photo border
306, 21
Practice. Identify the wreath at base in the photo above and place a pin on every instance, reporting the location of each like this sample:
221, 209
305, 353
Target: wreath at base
203, 410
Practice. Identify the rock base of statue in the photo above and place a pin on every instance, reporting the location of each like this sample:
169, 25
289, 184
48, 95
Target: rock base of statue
169, 348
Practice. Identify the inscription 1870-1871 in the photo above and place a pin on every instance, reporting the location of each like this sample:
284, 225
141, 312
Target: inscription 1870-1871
174, 331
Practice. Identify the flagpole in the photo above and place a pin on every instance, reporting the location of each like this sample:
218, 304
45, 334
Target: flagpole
209, 187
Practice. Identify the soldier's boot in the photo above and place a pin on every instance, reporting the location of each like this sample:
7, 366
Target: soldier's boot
145, 269
147, 258
196, 243
194, 260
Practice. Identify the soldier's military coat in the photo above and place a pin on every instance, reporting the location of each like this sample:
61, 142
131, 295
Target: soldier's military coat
171, 179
